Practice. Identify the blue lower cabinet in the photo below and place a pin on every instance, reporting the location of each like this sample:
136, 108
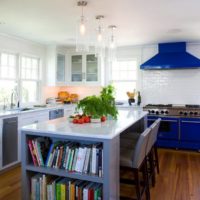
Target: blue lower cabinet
182, 133
168, 134
190, 133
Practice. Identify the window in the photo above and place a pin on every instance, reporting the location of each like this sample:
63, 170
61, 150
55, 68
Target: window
20, 78
124, 77
29, 79
8, 76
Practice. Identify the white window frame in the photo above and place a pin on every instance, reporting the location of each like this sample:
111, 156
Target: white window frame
136, 81
18, 78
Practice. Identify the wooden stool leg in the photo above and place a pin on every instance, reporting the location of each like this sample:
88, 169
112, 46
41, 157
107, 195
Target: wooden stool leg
156, 158
137, 182
152, 168
146, 180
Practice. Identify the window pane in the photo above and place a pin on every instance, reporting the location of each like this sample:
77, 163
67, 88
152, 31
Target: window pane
29, 91
122, 87
8, 66
30, 68
6, 89
124, 70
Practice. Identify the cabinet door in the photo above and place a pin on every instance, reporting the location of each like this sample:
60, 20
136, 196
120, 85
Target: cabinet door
77, 68
190, 130
9, 141
60, 73
91, 68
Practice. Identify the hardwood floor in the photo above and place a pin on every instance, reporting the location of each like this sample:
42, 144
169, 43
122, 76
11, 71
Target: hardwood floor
179, 178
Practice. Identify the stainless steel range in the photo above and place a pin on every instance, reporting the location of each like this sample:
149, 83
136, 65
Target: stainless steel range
173, 110
179, 127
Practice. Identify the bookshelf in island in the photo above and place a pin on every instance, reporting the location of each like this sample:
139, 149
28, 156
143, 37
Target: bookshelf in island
62, 160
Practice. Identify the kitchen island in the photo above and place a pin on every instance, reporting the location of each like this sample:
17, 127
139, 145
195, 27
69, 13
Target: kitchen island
107, 133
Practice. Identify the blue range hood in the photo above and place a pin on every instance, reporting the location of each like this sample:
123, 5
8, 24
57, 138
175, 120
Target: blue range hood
172, 56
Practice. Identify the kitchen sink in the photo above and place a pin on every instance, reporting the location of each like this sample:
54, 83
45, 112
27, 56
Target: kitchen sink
20, 109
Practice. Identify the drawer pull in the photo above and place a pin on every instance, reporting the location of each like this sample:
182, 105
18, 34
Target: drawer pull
163, 120
191, 122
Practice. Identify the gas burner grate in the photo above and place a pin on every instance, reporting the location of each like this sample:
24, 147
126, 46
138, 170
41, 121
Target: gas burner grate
192, 106
159, 105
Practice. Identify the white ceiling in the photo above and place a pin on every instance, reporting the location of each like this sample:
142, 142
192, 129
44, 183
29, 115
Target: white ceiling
138, 21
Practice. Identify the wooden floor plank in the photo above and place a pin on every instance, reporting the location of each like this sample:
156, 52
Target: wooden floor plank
179, 178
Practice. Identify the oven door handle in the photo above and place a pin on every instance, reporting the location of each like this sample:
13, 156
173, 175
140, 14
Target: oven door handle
165, 120
191, 122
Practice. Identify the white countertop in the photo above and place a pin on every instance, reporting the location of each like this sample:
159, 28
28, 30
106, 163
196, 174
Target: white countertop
105, 130
6, 113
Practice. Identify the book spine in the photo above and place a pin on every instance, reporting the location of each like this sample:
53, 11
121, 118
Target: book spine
72, 192
71, 159
66, 156
58, 191
36, 153
58, 154
63, 191
68, 159
32, 153
49, 155
94, 160
39, 153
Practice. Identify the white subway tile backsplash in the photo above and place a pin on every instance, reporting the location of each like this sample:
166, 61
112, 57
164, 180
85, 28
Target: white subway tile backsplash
171, 86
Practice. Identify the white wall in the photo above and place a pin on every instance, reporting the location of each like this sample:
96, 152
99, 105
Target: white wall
165, 86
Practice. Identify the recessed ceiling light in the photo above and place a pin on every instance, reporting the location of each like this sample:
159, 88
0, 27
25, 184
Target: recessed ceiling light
2, 23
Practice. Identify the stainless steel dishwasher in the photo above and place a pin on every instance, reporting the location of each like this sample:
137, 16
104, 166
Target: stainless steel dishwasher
54, 114
9, 141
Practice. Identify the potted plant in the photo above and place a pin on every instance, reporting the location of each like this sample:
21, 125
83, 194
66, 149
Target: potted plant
98, 106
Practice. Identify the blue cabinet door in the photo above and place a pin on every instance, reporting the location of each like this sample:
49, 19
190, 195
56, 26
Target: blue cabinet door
190, 129
169, 127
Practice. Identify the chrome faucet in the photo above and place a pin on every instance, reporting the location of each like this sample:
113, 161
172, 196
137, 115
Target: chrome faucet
11, 100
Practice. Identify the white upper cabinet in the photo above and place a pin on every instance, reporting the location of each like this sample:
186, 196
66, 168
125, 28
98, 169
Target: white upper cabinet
61, 69
64, 67
85, 69
56, 67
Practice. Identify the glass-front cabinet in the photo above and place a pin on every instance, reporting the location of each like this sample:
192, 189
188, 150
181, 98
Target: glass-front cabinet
85, 69
91, 68
77, 68
60, 72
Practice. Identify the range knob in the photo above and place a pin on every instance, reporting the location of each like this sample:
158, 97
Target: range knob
195, 113
166, 112
149, 111
162, 111
181, 112
157, 112
153, 111
185, 113
191, 113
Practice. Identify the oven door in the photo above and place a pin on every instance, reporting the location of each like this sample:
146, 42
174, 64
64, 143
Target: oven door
169, 127
190, 130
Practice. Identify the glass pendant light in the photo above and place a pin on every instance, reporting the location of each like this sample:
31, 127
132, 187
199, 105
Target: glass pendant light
82, 35
100, 38
112, 43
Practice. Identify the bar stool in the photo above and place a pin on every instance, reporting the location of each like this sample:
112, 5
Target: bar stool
153, 162
155, 127
134, 158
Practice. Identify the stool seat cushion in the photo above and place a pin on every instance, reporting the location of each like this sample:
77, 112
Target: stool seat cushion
126, 157
128, 143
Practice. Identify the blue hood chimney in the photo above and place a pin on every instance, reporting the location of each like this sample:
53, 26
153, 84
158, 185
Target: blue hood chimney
171, 56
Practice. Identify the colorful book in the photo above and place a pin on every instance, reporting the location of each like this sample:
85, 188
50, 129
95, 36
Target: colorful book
32, 153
